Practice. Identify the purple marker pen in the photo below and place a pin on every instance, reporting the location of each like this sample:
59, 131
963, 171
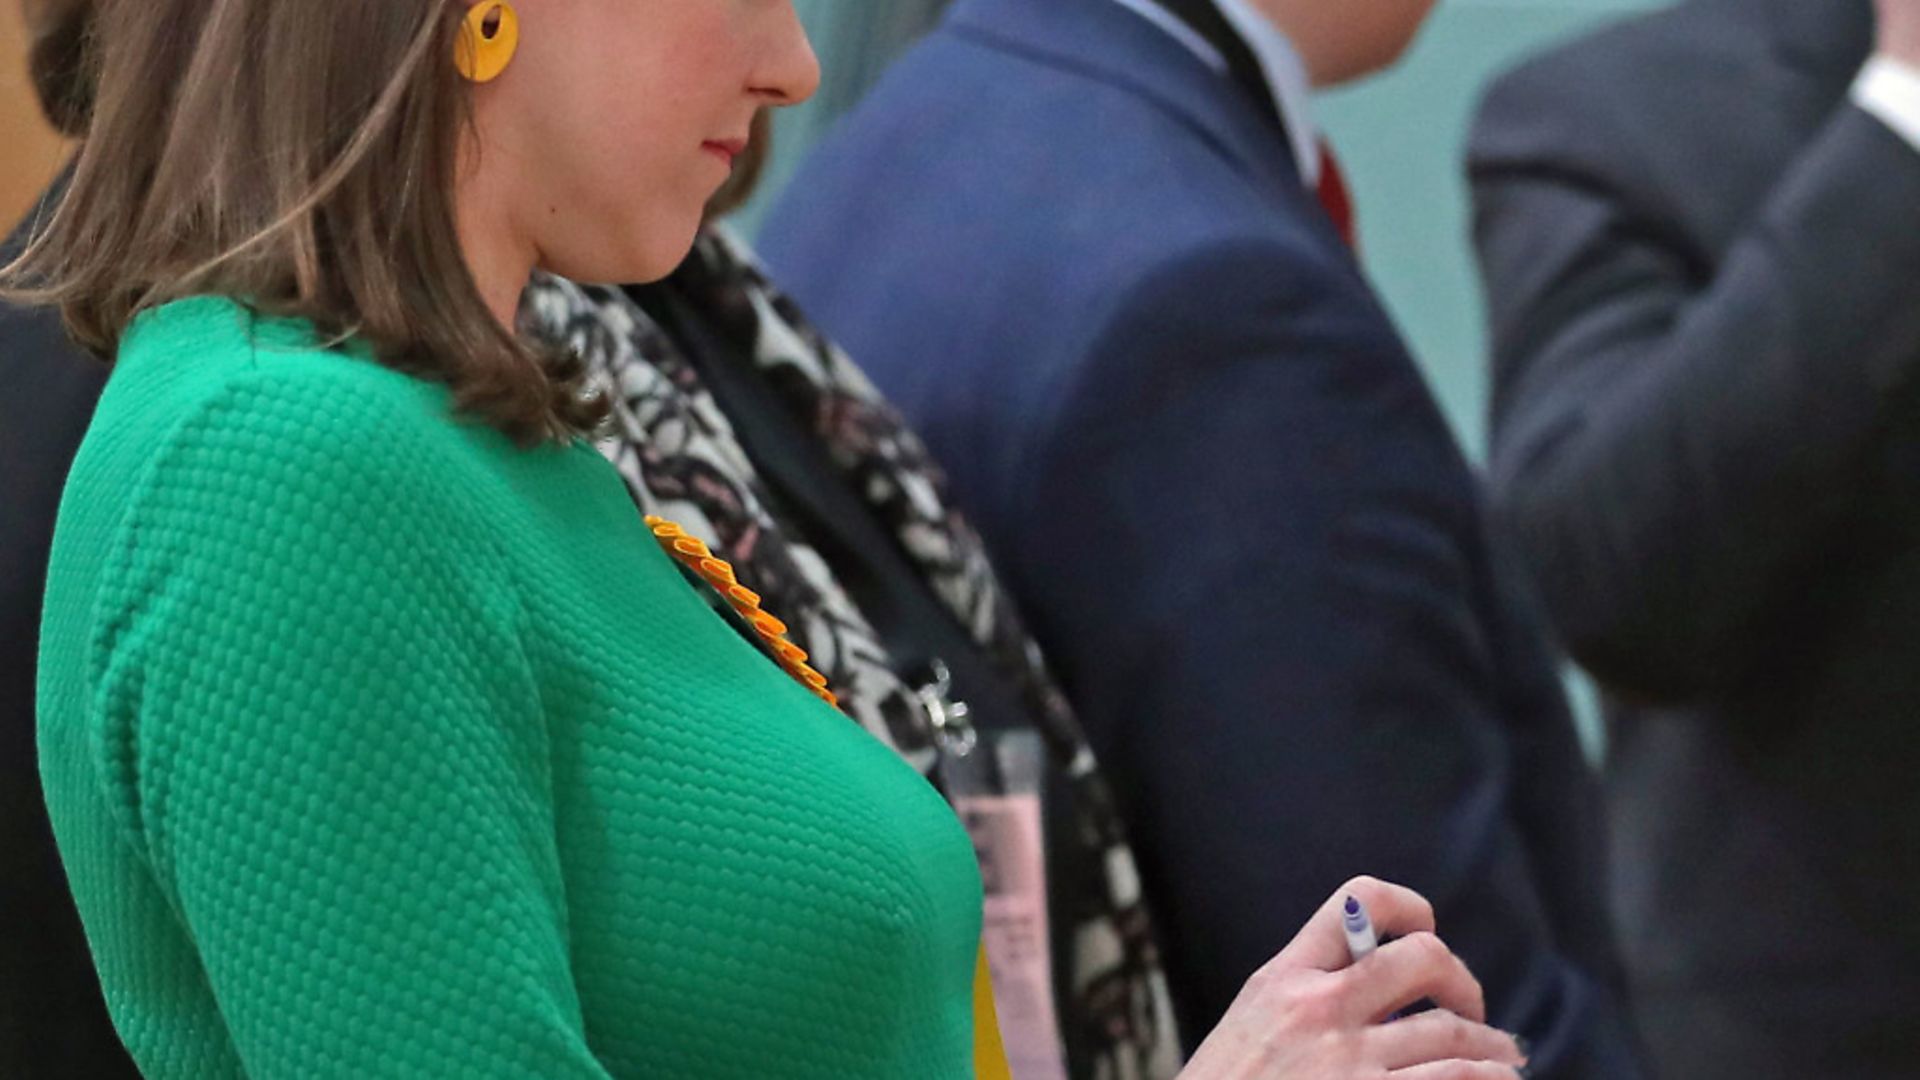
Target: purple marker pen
1361, 940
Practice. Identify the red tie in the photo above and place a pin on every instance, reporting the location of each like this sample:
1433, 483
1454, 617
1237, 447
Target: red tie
1335, 196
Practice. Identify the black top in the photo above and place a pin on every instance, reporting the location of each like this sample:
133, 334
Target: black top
53, 1021
813, 501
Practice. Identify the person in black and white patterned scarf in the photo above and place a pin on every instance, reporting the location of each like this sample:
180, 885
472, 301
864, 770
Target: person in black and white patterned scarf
682, 460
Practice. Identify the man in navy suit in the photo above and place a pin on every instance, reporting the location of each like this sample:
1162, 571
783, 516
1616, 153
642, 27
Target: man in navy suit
1092, 248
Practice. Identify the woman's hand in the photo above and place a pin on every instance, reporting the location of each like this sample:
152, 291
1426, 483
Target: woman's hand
1311, 1014
1897, 30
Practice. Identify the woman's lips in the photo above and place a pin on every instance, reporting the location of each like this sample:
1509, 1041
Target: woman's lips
725, 149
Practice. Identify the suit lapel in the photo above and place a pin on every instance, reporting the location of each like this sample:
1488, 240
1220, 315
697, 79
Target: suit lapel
1242, 65
1102, 40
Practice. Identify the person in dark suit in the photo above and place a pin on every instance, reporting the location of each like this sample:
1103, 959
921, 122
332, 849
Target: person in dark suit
1093, 249
53, 1020
1700, 232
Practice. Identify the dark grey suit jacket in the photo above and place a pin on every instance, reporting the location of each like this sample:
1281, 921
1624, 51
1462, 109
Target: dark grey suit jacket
1704, 271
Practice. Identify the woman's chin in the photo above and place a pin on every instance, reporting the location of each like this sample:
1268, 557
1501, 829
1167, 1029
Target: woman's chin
646, 256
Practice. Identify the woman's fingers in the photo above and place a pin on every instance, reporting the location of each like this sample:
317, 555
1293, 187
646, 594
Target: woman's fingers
1457, 1070
1395, 911
1311, 1012
1402, 972
1439, 1036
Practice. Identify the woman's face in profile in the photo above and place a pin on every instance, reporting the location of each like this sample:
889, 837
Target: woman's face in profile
618, 119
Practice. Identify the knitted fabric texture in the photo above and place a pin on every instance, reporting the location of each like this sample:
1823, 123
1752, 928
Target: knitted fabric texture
350, 782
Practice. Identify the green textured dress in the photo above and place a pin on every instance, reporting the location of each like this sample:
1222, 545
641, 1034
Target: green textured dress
377, 746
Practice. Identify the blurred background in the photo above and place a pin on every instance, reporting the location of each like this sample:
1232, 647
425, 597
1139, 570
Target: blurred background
30, 153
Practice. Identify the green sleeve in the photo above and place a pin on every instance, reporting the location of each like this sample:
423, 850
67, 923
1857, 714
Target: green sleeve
319, 729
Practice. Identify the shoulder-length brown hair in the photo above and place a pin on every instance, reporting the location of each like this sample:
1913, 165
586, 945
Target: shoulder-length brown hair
300, 157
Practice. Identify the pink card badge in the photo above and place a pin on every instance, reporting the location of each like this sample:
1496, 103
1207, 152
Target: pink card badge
1009, 839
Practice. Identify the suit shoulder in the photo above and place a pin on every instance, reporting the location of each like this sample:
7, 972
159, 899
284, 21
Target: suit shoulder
1259, 296
1603, 52
1277, 259
1597, 85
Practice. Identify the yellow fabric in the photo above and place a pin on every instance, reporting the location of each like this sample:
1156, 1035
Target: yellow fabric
989, 1056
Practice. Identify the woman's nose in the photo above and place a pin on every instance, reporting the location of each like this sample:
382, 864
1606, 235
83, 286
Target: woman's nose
791, 72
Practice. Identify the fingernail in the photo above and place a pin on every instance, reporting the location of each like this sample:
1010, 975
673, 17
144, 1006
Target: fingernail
1526, 1048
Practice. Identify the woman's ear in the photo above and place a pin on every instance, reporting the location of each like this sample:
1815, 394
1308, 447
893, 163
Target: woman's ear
57, 33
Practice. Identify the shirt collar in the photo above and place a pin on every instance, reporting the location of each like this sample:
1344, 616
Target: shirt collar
1286, 72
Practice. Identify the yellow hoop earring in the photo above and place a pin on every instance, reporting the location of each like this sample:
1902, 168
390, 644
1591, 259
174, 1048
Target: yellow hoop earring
488, 37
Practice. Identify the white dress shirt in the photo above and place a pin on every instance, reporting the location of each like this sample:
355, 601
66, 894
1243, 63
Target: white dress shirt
1889, 90
1286, 72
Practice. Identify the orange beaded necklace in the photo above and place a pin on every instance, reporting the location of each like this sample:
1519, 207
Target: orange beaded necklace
989, 1052
717, 572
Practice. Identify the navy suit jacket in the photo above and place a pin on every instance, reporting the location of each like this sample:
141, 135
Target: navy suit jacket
1086, 268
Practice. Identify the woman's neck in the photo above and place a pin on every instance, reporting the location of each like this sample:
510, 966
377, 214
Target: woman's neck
498, 255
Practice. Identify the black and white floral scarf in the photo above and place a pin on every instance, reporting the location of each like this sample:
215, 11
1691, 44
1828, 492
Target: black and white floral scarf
682, 461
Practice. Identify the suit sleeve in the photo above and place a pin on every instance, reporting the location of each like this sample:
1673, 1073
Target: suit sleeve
324, 739
1247, 543
1675, 432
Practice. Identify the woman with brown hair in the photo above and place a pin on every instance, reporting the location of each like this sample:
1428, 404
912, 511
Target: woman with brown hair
379, 735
